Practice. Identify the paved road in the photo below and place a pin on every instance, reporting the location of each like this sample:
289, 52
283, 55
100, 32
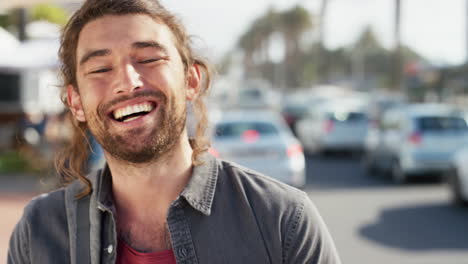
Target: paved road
374, 221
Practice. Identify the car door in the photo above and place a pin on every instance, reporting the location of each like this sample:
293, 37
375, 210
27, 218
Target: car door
304, 129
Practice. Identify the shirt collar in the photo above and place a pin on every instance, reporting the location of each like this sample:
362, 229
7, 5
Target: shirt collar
104, 188
201, 187
199, 191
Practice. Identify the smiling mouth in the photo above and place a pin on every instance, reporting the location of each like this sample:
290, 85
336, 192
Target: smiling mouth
132, 112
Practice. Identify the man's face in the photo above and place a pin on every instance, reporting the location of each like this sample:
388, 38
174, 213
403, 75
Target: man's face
132, 86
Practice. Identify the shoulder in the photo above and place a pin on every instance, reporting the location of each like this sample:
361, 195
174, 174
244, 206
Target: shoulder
46, 203
266, 197
56, 201
54, 204
258, 186
43, 214
45, 210
302, 231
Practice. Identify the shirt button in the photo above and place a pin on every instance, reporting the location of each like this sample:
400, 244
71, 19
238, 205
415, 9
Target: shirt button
109, 249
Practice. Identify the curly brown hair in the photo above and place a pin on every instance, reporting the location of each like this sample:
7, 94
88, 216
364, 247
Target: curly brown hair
71, 162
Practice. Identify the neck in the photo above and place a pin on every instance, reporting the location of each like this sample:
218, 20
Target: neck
140, 188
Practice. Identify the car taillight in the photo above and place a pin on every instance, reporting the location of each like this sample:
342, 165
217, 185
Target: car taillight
250, 136
415, 138
328, 126
294, 150
213, 152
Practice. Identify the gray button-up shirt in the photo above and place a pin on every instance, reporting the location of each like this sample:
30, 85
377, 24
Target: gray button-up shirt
225, 214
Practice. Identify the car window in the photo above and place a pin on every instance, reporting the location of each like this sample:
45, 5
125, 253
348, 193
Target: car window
311, 114
437, 123
347, 116
297, 110
250, 95
237, 129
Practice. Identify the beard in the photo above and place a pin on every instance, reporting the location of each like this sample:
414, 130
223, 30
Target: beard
142, 144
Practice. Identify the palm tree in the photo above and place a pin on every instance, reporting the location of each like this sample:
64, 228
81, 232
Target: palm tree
397, 67
295, 22
366, 51
255, 41
322, 60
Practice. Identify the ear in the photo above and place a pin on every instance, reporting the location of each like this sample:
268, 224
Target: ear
193, 82
74, 102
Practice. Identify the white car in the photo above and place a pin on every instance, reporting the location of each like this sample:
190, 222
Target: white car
333, 126
458, 177
415, 140
260, 140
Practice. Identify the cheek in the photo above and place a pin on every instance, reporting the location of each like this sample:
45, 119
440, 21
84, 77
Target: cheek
166, 79
91, 100
89, 106
95, 90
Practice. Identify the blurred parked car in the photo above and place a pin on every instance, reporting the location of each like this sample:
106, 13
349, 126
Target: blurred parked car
295, 108
414, 140
381, 103
333, 126
458, 177
260, 140
292, 112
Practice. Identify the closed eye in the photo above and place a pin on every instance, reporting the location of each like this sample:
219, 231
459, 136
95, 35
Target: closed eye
148, 61
101, 71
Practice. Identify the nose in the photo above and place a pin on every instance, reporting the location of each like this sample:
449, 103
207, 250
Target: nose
129, 80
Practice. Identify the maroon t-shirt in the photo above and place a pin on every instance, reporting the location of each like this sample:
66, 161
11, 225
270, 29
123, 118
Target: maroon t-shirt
128, 255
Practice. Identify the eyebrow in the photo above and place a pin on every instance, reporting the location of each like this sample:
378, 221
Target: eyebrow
94, 53
149, 44
136, 45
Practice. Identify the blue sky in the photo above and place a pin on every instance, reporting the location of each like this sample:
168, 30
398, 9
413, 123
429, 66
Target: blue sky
434, 28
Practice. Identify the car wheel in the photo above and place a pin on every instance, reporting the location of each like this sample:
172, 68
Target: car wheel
398, 175
454, 183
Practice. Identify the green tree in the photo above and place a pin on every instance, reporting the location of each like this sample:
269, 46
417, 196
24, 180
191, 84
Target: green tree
368, 57
295, 22
5, 20
49, 13
303, 66
255, 43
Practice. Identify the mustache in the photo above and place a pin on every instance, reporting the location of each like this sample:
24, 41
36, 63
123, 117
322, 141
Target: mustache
160, 96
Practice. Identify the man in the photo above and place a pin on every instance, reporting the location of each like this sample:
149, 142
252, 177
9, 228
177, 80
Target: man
129, 73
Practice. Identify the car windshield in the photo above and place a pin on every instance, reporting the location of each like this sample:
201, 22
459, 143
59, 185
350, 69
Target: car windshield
347, 116
238, 129
437, 123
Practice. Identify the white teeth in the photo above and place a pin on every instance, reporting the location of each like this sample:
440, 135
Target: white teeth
130, 119
131, 109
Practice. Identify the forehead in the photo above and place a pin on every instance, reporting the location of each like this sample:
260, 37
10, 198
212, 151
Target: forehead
123, 30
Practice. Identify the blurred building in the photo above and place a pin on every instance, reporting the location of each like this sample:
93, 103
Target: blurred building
28, 81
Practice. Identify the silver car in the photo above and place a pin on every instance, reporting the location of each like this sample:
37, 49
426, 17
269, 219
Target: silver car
260, 140
333, 126
415, 139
